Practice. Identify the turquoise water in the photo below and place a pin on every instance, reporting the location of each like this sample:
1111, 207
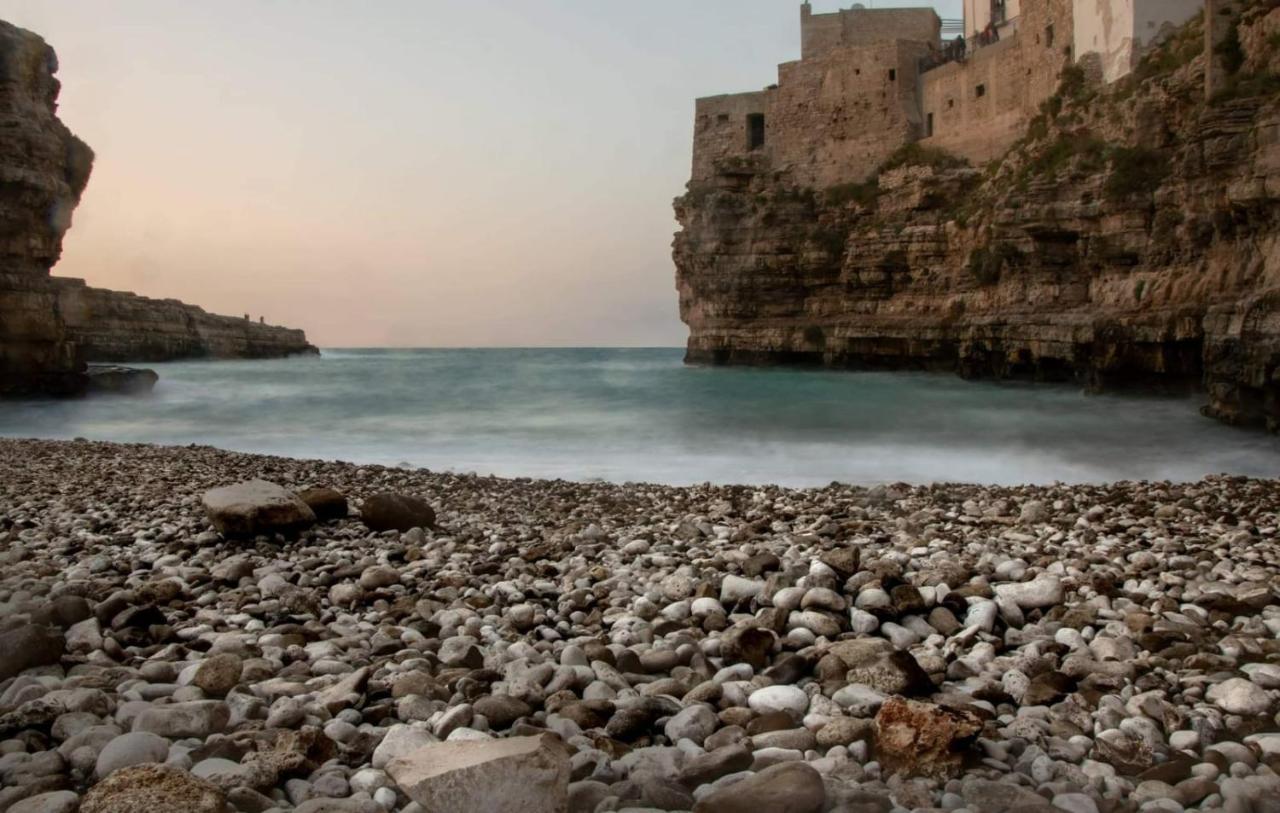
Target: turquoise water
640, 414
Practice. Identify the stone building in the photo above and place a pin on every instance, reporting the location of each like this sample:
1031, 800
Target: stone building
871, 80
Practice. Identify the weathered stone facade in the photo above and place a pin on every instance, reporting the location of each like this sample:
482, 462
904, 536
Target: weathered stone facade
977, 107
870, 80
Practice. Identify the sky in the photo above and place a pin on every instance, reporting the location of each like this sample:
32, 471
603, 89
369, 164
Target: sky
408, 173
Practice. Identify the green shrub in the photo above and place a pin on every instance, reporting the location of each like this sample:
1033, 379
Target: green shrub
865, 193
917, 155
1135, 171
1230, 51
830, 240
987, 264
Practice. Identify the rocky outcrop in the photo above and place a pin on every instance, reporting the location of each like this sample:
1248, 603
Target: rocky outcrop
117, 326
43, 170
50, 327
1131, 238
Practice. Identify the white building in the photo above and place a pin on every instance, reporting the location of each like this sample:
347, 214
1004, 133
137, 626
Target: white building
1120, 31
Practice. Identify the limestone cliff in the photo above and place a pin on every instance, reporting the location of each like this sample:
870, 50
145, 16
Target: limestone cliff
115, 326
1132, 237
43, 170
49, 327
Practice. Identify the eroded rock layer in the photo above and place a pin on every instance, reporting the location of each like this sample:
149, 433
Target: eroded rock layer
120, 326
1129, 238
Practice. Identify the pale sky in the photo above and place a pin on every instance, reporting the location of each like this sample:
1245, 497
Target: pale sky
401, 172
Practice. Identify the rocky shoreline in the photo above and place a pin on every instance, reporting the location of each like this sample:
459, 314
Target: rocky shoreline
547, 645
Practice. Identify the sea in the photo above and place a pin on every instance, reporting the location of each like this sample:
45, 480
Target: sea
641, 415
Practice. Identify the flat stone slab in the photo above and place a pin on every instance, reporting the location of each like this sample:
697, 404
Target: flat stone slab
514, 775
257, 507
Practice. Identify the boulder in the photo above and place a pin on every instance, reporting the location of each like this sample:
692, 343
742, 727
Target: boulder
921, 739
219, 674
28, 647
110, 378
396, 512
153, 789
326, 503
127, 750
515, 775
789, 787
256, 507
196, 718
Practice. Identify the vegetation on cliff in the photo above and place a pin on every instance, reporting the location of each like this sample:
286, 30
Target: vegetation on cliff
1131, 236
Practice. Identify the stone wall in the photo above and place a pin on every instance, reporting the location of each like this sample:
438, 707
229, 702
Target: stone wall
980, 106
822, 33
43, 171
835, 118
118, 326
720, 129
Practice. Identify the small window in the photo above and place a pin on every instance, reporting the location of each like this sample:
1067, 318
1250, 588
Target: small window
755, 131
893, 75
980, 91
722, 118
951, 103
1048, 36
857, 71
928, 125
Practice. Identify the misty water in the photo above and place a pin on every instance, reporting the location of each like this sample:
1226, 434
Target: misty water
641, 415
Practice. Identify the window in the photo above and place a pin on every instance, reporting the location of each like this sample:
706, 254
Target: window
951, 103
980, 91
1048, 36
928, 125
755, 131
893, 75
722, 118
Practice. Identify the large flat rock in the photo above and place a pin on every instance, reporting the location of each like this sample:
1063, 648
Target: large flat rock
515, 775
257, 507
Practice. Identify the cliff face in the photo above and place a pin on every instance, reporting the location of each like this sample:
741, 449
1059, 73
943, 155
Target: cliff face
1132, 237
115, 326
49, 327
43, 170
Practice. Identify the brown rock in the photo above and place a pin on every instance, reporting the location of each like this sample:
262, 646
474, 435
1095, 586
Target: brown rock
920, 739
27, 647
790, 787
153, 789
325, 503
396, 512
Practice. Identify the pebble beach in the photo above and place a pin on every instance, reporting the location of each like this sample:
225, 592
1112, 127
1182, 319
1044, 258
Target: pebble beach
537, 646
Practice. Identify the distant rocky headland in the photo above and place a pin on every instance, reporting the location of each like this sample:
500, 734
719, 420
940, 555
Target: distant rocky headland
51, 328
1061, 198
